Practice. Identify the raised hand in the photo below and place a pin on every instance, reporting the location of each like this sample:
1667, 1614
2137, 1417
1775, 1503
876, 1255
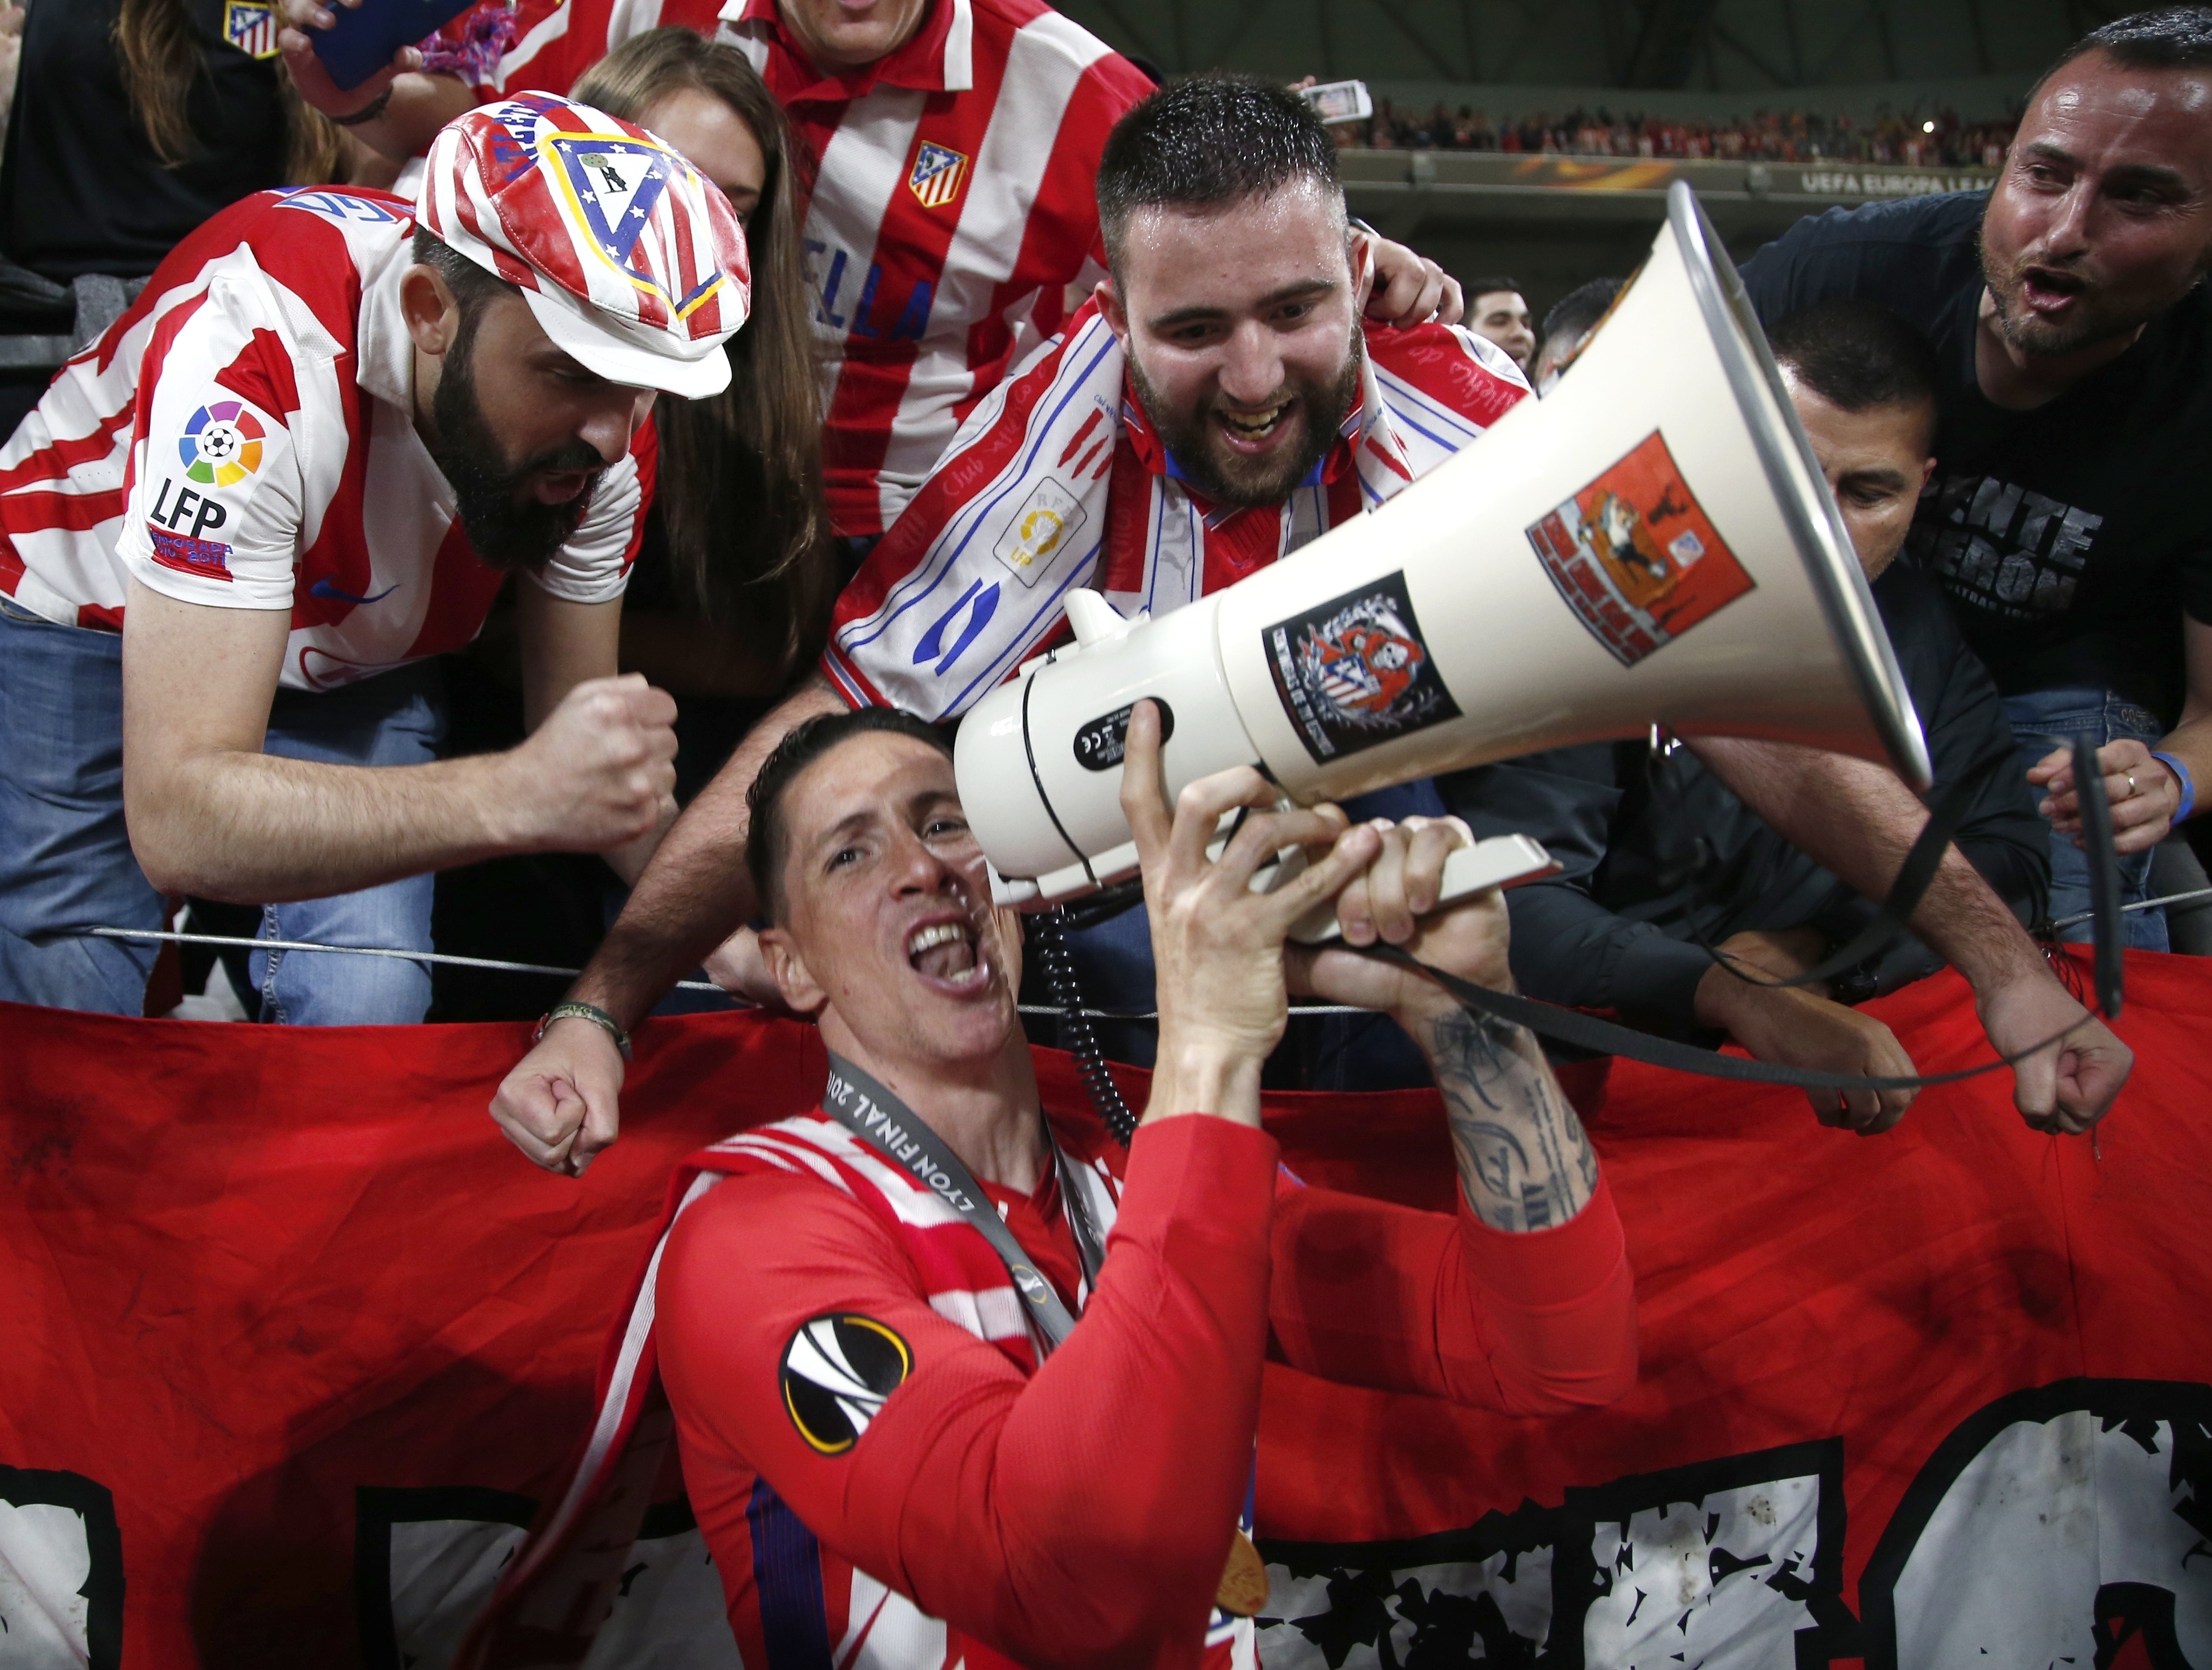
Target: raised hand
1410, 290
599, 772
1216, 946
314, 82
1393, 899
561, 1104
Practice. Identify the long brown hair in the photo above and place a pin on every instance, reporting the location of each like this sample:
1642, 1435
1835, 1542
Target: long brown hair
741, 472
163, 56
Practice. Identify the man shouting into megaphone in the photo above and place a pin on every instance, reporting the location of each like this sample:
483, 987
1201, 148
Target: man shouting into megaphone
972, 1385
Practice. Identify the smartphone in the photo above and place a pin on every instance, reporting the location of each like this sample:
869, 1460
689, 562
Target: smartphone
1340, 101
364, 38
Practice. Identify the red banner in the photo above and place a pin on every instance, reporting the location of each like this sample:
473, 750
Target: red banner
294, 1341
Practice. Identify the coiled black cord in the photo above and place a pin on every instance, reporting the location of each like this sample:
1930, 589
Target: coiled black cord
1049, 930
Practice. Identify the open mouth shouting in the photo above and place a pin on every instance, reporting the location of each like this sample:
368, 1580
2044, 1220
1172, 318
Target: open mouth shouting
1260, 431
2049, 290
946, 953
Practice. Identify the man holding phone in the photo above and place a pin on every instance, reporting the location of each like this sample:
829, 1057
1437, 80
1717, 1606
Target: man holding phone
305, 461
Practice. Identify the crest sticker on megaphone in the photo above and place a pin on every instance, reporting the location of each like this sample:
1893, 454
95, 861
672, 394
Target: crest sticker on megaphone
1652, 545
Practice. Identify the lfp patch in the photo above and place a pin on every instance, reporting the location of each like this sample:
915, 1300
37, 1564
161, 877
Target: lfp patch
1354, 671
1635, 556
1043, 528
222, 443
251, 26
937, 175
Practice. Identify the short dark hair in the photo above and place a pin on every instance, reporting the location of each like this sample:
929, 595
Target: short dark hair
1206, 141
1482, 287
1857, 356
472, 286
767, 842
1578, 311
2168, 37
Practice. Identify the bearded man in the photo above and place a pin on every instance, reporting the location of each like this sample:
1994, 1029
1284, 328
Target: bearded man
1217, 405
306, 460
955, 1378
2073, 325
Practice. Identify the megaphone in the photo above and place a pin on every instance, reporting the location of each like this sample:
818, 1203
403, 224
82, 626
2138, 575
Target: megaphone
1653, 544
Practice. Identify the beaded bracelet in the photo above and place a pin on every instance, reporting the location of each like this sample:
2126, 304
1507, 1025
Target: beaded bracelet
572, 1011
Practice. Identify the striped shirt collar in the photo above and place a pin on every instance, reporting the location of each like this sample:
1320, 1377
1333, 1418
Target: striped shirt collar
939, 58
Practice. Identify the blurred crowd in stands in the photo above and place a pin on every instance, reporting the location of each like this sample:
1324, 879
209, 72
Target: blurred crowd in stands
1940, 140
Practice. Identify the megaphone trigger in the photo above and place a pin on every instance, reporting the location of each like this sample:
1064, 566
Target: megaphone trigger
1501, 861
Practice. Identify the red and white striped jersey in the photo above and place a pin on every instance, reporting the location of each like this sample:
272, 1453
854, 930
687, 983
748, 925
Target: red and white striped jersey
243, 437
1058, 481
557, 40
942, 231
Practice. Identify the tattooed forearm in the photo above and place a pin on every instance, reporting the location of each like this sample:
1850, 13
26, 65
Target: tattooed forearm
1524, 1162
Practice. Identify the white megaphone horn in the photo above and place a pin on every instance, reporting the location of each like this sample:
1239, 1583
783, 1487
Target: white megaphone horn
1655, 544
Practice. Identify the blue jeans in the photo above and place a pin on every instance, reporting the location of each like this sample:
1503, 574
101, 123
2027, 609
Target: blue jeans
65, 862
65, 858
394, 718
2043, 720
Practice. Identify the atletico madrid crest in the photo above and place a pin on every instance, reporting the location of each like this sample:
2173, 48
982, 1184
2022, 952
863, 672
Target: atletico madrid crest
251, 26
937, 175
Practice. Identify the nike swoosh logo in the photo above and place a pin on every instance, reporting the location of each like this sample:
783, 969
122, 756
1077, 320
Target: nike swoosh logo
323, 588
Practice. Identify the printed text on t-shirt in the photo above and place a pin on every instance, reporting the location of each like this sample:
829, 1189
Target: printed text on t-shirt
2002, 548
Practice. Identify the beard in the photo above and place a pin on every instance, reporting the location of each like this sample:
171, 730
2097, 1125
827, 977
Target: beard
1227, 478
2098, 317
508, 527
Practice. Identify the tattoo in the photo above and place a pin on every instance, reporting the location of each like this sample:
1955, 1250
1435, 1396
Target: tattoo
1524, 1162
1492, 1150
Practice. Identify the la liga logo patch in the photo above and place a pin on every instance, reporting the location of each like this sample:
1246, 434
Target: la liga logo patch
222, 443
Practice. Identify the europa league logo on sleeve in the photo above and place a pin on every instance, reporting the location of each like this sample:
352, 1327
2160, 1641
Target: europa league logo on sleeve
1354, 671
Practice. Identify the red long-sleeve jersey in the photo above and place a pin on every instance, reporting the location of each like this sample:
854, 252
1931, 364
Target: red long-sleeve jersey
1079, 1515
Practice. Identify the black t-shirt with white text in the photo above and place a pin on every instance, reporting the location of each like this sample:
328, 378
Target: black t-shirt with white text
2071, 538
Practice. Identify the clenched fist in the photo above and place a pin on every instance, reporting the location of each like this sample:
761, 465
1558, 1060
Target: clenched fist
599, 772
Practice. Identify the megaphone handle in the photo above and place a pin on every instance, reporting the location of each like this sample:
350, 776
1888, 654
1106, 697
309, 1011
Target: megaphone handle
1498, 861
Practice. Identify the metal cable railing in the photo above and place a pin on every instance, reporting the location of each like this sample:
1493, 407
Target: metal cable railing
2075, 921
499, 966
